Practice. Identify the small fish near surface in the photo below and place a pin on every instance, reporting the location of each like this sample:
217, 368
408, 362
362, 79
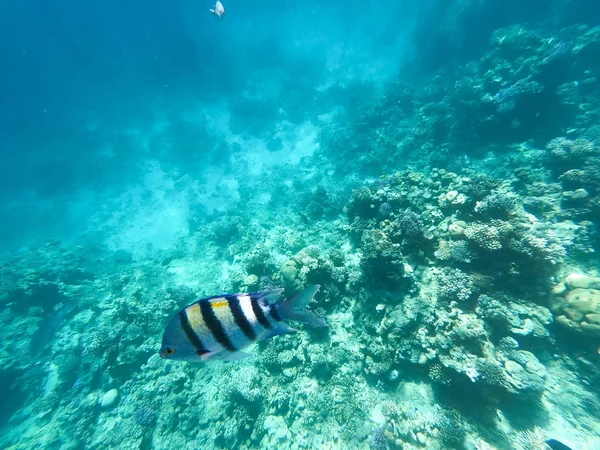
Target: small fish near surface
218, 10
218, 328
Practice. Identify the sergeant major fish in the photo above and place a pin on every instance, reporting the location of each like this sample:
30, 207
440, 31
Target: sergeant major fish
220, 327
218, 10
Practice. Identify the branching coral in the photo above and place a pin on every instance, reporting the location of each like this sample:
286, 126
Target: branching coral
454, 251
496, 206
382, 259
454, 284
486, 237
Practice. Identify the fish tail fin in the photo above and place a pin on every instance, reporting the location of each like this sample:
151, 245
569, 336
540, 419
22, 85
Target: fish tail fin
294, 308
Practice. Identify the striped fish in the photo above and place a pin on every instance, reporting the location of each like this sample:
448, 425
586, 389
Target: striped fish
220, 327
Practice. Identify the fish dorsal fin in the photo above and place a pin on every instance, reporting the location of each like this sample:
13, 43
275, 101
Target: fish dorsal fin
270, 297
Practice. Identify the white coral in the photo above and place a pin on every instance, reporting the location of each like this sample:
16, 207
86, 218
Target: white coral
472, 373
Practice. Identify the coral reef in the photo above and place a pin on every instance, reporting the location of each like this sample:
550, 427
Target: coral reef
576, 304
452, 226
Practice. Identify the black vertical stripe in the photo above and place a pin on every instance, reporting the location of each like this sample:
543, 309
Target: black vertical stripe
191, 334
274, 312
240, 318
215, 326
260, 315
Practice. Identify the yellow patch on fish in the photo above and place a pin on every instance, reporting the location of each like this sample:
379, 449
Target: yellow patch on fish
219, 303
194, 316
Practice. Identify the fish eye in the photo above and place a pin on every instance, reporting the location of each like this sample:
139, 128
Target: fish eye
169, 350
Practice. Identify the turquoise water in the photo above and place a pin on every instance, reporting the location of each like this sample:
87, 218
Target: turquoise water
433, 165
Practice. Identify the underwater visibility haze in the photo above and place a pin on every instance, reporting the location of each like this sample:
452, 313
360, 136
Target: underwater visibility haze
180, 180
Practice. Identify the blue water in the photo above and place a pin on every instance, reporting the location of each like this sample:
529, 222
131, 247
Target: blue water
433, 165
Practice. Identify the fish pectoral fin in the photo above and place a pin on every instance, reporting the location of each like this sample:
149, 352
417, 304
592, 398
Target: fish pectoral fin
236, 356
222, 355
281, 328
211, 356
